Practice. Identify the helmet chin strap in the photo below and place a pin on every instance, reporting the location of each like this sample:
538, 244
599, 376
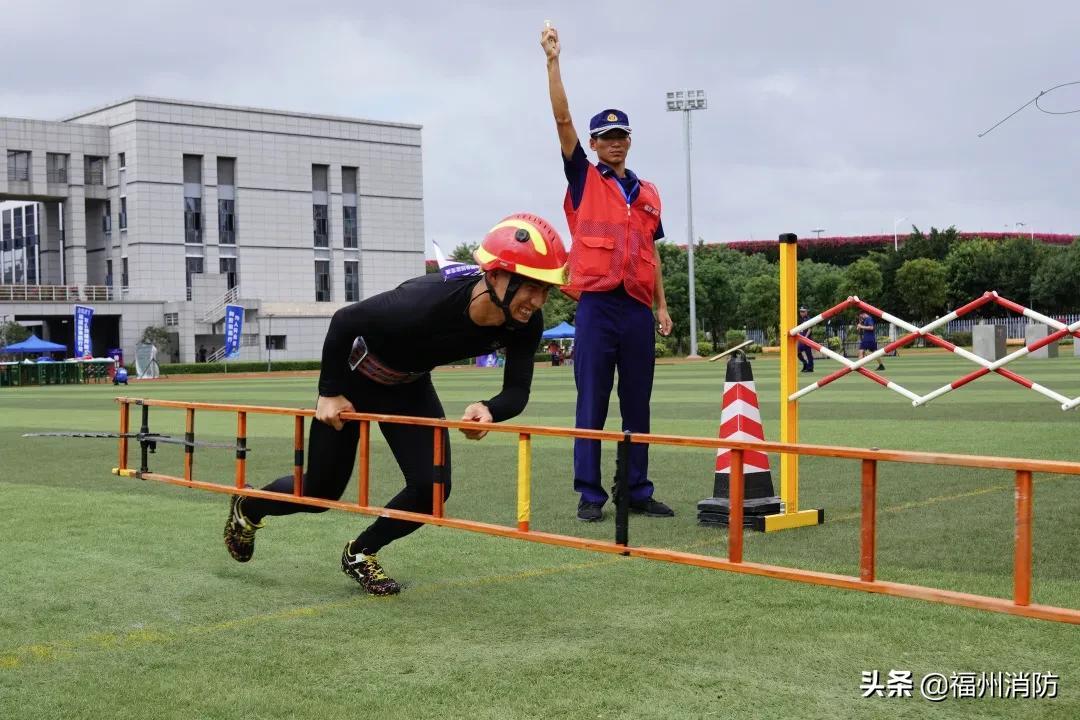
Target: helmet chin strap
504, 304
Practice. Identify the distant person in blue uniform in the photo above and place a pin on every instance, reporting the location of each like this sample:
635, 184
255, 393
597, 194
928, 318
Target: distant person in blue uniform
867, 338
805, 352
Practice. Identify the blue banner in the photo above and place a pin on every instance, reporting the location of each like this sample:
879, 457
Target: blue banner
487, 361
234, 324
83, 316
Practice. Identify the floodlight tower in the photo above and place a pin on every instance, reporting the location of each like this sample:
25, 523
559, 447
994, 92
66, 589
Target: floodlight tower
686, 101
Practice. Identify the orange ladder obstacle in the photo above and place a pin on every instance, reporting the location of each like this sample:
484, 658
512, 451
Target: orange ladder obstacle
1024, 469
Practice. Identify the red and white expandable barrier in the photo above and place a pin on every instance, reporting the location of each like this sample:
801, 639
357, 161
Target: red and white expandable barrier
927, 332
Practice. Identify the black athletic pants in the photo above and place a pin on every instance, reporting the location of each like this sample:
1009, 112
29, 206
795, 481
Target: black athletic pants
332, 456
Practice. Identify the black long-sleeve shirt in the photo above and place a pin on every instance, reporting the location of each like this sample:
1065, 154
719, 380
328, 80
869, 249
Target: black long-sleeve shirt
423, 323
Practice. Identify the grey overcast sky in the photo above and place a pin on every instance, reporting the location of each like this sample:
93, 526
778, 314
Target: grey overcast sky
842, 115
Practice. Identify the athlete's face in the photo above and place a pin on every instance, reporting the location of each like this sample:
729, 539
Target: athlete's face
529, 298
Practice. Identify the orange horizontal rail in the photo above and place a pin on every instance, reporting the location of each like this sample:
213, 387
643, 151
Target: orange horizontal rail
989, 462
1020, 604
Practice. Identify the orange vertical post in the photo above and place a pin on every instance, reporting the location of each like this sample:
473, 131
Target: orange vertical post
868, 530
363, 461
735, 508
298, 456
189, 437
241, 449
437, 472
125, 425
1022, 552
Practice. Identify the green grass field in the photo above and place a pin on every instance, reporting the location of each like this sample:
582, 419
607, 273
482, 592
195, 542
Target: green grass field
118, 600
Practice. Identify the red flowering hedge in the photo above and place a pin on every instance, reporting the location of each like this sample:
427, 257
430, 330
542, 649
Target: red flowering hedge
883, 241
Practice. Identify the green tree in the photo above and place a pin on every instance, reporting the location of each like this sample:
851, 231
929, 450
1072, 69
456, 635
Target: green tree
1056, 286
464, 253
862, 278
819, 285
717, 302
936, 245
12, 332
156, 336
673, 262
759, 304
971, 269
922, 282
1017, 260
558, 308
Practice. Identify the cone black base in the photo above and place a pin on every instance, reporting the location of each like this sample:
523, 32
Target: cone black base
750, 522
715, 511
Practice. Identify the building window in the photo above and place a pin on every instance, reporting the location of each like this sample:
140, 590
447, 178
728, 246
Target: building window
7, 258
108, 273
226, 222
349, 234
319, 175
227, 267
249, 340
193, 170
121, 160
123, 213
348, 201
322, 229
193, 225
18, 166
56, 168
94, 170
275, 342
106, 218
123, 273
322, 281
352, 281
226, 171
320, 200
193, 220
192, 266
172, 319
348, 181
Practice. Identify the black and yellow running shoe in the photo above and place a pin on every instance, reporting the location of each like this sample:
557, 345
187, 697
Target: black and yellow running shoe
365, 569
240, 532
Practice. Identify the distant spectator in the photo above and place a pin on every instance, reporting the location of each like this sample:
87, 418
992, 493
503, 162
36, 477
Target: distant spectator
805, 352
553, 350
868, 338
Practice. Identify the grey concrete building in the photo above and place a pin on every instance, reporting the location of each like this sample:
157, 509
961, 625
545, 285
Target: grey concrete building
161, 212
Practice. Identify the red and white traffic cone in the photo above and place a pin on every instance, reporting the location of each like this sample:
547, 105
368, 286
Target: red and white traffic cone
740, 419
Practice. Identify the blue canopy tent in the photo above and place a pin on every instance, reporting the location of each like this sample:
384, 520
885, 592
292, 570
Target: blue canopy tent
33, 344
562, 330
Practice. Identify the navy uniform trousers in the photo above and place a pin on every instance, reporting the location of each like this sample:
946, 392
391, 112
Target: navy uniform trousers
612, 331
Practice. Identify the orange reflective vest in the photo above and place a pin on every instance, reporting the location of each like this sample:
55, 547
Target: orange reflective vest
613, 241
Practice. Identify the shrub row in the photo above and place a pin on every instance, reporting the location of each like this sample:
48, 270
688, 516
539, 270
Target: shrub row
246, 366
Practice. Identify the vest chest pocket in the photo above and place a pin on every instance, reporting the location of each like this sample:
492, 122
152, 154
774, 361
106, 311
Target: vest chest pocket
594, 255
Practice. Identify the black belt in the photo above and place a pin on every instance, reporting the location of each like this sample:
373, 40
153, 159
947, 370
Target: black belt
362, 361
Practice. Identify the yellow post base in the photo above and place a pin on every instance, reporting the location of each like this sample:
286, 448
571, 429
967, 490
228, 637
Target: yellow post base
802, 518
126, 472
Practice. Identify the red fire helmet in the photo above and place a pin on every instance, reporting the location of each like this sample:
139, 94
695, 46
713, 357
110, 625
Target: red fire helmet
525, 244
